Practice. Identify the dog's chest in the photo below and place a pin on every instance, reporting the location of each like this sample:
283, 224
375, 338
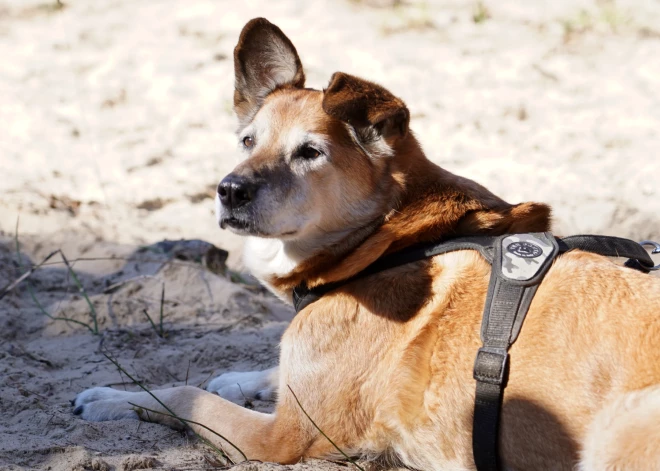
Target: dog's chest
266, 258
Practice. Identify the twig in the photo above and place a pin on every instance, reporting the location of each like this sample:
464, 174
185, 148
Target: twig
134, 259
25, 275
248, 402
21, 388
119, 284
207, 378
351, 460
31, 355
545, 73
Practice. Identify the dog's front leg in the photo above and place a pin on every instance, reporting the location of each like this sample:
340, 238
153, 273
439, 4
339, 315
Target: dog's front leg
259, 436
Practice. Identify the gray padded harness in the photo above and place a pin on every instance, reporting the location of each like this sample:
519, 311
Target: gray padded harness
519, 261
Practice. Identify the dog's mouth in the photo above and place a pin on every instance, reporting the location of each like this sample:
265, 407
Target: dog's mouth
239, 225
245, 227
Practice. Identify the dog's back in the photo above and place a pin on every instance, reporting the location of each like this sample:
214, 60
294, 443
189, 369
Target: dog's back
589, 345
585, 347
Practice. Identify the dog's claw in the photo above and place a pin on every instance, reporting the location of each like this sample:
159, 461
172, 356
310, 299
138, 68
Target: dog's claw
78, 410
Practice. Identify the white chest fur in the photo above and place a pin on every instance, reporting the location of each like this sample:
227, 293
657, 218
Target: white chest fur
266, 258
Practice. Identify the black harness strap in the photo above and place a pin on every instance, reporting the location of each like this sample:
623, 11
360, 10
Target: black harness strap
610, 246
519, 264
602, 245
520, 261
303, 296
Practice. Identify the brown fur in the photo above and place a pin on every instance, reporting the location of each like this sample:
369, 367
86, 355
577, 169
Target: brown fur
384, 364
432, 204
363, 104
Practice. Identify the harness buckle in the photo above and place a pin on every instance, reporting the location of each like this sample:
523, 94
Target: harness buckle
656, 250
490, 365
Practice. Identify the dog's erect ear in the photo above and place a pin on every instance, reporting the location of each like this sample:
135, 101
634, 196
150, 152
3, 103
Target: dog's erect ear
264, 59
369, 108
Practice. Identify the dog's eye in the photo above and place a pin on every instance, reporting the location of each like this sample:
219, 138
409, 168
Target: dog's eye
308, 152
248, 141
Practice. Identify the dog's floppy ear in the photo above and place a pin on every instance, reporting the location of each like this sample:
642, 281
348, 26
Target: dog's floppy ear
369, 108
264, 59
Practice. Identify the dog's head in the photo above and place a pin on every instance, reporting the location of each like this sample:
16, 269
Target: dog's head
315, 162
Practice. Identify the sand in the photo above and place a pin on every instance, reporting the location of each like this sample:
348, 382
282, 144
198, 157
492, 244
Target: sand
117, 125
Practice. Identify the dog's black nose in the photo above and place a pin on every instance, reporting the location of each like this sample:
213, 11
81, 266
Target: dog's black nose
236, 191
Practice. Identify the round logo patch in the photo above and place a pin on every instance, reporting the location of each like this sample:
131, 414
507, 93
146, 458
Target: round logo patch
525, 249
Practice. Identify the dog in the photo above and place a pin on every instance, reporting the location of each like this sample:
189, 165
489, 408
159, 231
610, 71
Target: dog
331, 181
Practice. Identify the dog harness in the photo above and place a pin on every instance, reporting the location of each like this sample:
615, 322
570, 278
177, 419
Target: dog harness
519, 263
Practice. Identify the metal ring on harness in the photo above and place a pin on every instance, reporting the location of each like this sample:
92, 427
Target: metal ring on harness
656, 250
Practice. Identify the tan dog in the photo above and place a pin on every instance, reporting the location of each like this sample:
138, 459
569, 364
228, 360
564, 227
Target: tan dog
331, 181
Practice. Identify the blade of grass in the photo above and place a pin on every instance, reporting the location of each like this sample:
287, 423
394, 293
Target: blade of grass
162, 302
83, 292
55, 318
152, 323
351, 460
31, 287
188, 421
183, 421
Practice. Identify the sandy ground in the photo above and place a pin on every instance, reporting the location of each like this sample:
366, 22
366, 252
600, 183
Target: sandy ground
117, 125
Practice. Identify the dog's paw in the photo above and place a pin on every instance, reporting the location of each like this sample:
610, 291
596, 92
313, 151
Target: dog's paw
100, 404
243, 387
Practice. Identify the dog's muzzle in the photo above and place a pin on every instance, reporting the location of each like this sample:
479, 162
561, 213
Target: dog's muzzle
236, 193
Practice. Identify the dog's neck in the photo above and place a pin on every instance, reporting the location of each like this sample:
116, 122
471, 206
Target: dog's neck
268, 259
427, 203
